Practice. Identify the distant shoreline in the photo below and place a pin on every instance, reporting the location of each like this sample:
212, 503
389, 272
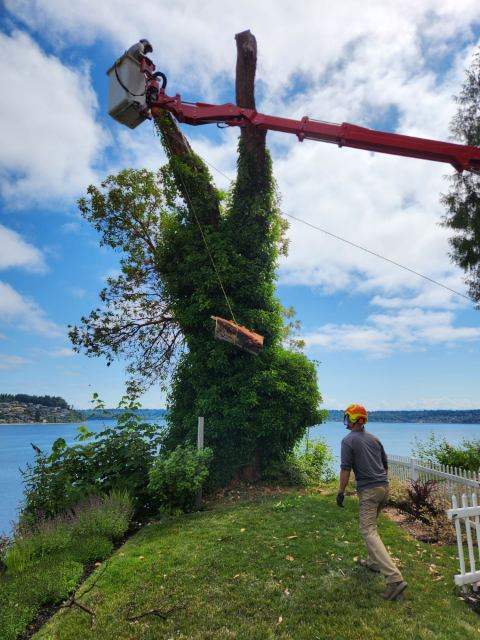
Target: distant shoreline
40, 424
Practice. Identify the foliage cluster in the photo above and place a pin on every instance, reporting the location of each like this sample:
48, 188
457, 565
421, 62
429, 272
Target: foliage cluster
126, 458
308, 465
116, 458
463, 456
426, 501
462, 203
44, 562
176, 477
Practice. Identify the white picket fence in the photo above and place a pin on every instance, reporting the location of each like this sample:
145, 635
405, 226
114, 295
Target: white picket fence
455, 481
467, 515
466, 518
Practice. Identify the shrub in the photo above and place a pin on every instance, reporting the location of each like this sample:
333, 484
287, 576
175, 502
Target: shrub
176, 477
51, 536
421, 498
315, 463
116, 459
397, 493
464, 456
304, 467
86, 549
84, 534
427, 501
14, 614
107, 516
19, 555
46, 582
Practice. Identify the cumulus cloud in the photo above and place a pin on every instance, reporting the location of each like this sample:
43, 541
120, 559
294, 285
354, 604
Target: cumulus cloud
50, 140
24, 313
196, 44
383, 333
15, 252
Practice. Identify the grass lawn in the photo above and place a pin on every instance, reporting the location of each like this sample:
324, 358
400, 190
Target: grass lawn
278, 568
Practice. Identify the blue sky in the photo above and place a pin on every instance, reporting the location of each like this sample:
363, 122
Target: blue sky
381, 336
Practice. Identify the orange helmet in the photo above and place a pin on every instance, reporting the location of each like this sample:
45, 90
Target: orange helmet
354, 412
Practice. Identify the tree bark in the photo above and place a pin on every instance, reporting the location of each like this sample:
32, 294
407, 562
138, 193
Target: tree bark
253, 138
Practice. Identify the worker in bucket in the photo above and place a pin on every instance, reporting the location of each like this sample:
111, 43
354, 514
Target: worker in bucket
364, 453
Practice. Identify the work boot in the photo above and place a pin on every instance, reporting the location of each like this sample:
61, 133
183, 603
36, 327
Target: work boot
394, 590
371, 566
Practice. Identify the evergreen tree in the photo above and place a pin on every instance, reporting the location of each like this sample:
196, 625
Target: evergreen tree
463, 200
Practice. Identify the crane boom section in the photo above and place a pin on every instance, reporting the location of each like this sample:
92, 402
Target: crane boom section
461, 157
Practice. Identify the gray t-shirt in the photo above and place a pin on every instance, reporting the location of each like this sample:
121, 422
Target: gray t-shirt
364, 453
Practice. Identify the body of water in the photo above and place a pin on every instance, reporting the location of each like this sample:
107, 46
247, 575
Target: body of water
16, 450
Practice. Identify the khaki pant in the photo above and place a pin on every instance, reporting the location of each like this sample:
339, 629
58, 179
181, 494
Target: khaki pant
372, 501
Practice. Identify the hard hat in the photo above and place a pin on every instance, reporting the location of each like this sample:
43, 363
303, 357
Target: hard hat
147, 47
354, 412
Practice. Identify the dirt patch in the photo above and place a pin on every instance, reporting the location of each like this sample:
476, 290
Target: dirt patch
246, 492
415, 528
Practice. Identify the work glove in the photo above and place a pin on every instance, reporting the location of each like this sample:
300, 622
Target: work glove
340, 498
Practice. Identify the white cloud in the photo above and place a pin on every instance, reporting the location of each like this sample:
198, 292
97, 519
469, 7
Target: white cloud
50, 140
11, 362
194, 43
62, 353
382, 334
15, 252
25, 314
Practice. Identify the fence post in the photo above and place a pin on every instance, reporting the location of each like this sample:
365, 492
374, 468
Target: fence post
200, 441
413, 470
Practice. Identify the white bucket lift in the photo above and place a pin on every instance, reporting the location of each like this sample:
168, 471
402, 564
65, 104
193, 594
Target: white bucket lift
126, 91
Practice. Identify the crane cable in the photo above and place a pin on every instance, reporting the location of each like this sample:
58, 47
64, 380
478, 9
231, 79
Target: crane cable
359, 246
192, 208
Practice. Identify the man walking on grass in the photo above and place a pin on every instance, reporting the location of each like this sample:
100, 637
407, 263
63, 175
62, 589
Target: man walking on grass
364, 453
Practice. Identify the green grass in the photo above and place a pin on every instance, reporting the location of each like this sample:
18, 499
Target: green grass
272, 569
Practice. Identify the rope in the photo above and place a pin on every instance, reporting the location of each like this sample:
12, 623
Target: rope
359, 246
192, 208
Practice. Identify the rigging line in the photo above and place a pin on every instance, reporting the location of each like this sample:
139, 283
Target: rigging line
359, 246
203, 236
379, 255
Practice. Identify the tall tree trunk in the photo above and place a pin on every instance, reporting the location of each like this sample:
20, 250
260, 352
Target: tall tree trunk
253, 175
253, 138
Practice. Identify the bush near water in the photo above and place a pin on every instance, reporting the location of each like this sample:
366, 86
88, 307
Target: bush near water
464, 456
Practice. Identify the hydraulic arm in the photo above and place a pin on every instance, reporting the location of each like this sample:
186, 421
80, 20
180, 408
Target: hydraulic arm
344, 135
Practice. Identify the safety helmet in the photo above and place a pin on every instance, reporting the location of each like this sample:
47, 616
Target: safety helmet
147, 47
354, 412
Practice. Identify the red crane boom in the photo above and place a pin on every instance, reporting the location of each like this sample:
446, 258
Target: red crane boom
344, 135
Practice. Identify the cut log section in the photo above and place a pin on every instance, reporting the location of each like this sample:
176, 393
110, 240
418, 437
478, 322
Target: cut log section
240, 336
